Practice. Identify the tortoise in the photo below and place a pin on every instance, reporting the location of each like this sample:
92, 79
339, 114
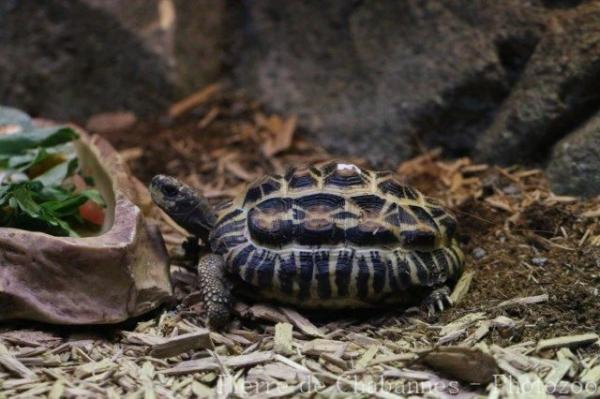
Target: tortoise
329, 235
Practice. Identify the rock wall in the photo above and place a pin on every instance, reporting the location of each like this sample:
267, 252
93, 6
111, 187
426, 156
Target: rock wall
502, 81
189, 37
69, 59
559, 89
383, 77
64, 60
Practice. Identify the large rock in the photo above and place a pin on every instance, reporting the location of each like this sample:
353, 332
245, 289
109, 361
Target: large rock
376, 78
72, 59
189, 37
500, 81
67, 60
574, 165
558, 90
108, 278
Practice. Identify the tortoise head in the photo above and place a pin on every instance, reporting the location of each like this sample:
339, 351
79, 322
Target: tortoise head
186, 206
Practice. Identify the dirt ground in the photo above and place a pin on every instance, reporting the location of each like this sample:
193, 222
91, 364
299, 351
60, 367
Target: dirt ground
534, 259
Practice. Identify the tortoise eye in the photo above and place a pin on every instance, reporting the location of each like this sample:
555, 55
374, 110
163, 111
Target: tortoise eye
169, 190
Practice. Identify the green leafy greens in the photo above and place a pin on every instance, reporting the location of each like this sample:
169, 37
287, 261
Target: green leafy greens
35, 164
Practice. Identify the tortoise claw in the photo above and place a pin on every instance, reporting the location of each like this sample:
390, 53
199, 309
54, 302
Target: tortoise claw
437, 301
440, 304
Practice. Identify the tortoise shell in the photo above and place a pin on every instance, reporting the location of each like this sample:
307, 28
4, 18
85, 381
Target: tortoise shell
335, 235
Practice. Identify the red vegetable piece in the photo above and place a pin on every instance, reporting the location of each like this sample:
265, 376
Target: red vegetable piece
92, 212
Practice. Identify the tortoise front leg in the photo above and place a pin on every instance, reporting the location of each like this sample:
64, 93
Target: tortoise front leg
215, 291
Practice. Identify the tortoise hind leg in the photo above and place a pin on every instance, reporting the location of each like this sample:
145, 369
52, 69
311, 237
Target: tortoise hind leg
437, 300
215, 290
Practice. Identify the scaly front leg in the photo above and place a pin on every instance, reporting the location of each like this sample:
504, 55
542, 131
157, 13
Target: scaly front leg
215, 290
